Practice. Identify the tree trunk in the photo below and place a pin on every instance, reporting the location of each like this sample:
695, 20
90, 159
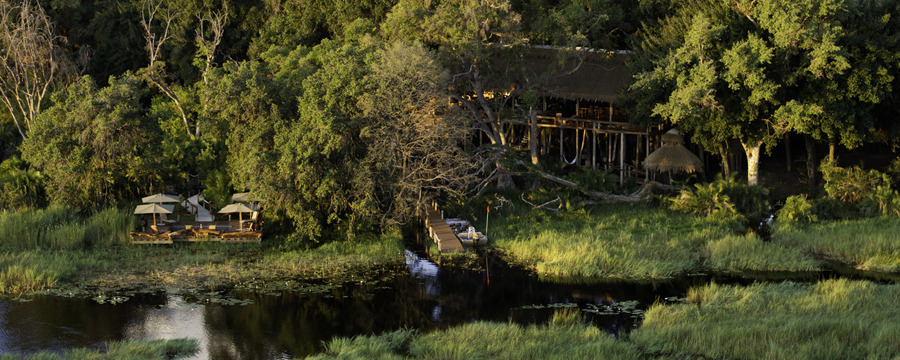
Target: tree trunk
726, 169
832, 143
752, 151
811, 160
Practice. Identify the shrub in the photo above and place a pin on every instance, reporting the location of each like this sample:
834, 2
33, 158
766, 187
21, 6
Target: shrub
797, 209
868, 191
724, 198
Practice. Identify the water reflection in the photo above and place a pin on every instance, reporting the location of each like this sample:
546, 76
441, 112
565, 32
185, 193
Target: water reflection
286, 325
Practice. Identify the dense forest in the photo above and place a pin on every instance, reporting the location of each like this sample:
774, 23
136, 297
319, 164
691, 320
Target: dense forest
344, 116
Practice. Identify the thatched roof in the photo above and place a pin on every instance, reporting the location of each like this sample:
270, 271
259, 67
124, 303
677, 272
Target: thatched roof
582, 74
673, 156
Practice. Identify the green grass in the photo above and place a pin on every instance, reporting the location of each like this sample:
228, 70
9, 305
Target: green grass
565, 337
739, 253
130, 349
835, 319
61, 228
189, 265
634, 241
869, 244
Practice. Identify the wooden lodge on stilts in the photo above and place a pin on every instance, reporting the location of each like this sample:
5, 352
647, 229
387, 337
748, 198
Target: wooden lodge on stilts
581, 119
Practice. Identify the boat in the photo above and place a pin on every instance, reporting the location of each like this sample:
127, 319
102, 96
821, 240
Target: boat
466, 232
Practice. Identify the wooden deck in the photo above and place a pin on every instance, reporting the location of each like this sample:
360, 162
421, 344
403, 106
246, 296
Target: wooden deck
215, 231
440, 232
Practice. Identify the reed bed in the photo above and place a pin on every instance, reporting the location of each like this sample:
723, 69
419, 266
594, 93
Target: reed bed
741, 252
621, 240
833, 319
565, 337
870, 243
61, 228
129, 349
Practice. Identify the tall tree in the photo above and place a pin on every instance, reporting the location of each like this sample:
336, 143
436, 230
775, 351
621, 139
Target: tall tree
98, 134
31, 61
734, 69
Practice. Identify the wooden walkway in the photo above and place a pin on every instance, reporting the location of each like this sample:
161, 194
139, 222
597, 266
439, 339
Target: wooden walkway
440, 232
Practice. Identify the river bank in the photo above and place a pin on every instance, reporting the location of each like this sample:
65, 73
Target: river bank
33, 259
832, 319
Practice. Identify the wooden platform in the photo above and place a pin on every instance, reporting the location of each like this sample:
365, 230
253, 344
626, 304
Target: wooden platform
195, 235
440, 232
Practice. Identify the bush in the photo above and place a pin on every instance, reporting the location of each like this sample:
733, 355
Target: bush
868, 192
797, 209
725, 199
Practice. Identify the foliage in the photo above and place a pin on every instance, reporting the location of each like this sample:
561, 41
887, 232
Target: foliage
868, 190
20, 185
797, 209
724, 199
750, 70
595, 180
97, 133
831, 319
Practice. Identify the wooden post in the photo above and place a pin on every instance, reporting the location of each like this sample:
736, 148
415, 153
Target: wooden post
577, 148
622, 159
562, 156
594, 152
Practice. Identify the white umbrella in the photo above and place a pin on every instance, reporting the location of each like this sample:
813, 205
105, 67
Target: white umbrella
160, 198
154, 209
239, 208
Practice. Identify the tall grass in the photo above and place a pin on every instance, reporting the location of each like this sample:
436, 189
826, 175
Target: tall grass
61, 228
129, 349
870, 243
620, 240
338, 256
28, 271
738, 252
834, 319
565, 337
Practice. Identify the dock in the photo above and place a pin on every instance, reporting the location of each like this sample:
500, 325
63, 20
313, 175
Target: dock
439, 231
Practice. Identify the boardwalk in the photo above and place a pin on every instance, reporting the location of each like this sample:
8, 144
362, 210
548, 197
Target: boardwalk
440, 232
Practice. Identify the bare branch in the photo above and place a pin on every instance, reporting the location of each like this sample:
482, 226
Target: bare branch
30, 61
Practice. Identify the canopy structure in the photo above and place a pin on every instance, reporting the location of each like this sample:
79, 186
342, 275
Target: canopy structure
160, 198
672, 156
154, 209
243, 197
239, 208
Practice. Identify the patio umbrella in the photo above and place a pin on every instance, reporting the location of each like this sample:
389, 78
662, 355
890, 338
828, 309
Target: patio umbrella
154, 209
159, 198
239, 208
673, 156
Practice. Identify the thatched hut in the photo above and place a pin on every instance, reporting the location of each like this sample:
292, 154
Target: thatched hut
672, 156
